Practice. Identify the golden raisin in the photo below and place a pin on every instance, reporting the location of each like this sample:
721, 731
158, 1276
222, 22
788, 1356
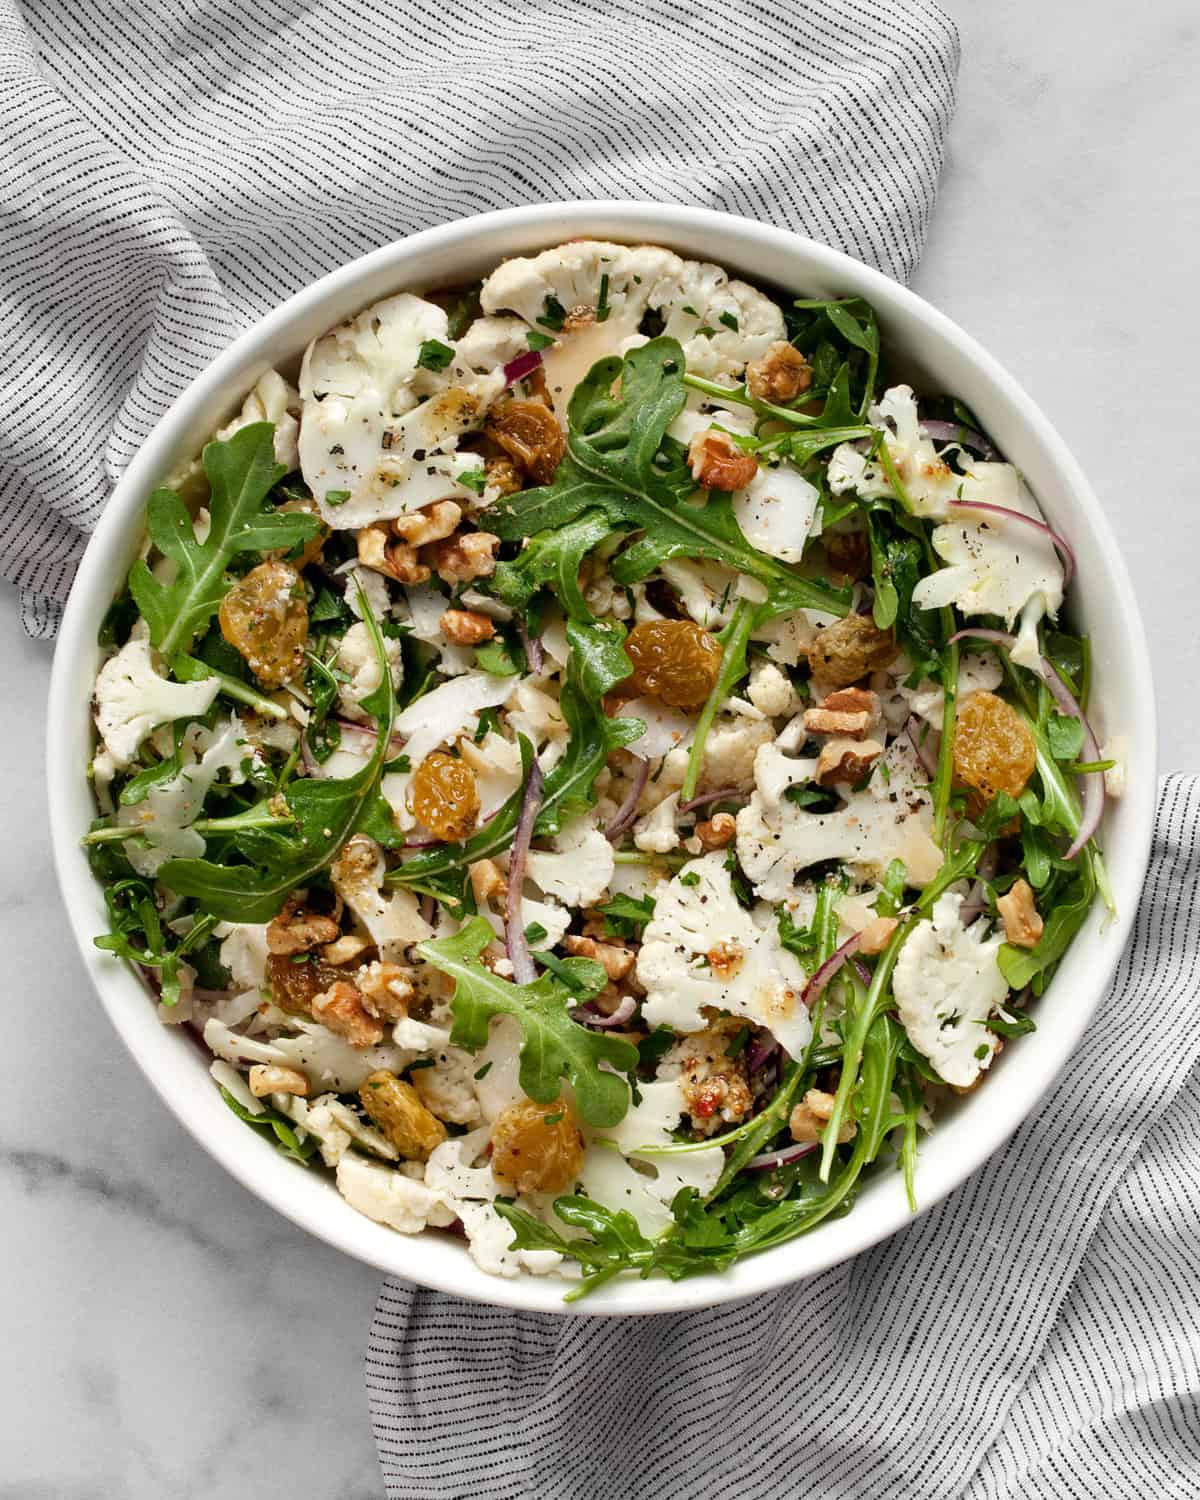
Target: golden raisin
297, 979
443, 796
848, 649
397, 1109
529, 433
264, 616
310, 551
536, 1148
674, 661
994, 750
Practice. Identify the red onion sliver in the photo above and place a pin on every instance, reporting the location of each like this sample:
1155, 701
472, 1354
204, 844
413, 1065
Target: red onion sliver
781, 1158
627, 811
587, 1015
723, 794
1093, 781
312, 766
860, 968
829, 968
1065, 550
519, 955
523, 365
761, 1052
920, 744
966, 437
535, 655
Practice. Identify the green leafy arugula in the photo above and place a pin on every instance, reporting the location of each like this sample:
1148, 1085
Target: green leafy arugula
622, 465
241, 474
278, 1126
626, 916
324, 815
554, 1046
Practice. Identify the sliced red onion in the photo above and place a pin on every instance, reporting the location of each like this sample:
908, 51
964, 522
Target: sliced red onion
781, 1158
627, 811
1065, 550
524, 971
762, 1051
535, 655
211, 997
829, 968
522, 366
955, 432
860, 968
312, 766
1093, 781
588, 1015
973, 903
920, 744
722, 794
369, 731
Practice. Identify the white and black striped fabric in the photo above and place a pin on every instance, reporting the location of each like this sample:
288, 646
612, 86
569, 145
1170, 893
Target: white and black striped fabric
1036, 1336
170, 171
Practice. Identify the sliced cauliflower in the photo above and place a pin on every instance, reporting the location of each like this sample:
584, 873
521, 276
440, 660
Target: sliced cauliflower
131, 699
579, 870
243, 952
379, 433
328, 1061
947, 983
977, 670
497, 766
458, 1170
889, 819
656, 832
165, 814
702, 948
389, 1196
273, 399
535, 713
776, 512
447, 1088
549, 915
705, 589
636, 1179
394, 920
665, 727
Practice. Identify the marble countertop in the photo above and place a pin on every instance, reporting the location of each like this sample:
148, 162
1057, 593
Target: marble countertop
168, 1335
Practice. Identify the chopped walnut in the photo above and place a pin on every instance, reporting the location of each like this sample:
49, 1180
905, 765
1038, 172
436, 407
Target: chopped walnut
296, 930
341, 1009
876, 935
846, 760
504, 476
465, 556
386, 991
530, 434
613, 959
718, 463
717, 831
486, 879
268, 1078
346, 949
396, 560
849, 712
417, 527
466, 627
1022, 921
780, 375
812, 1114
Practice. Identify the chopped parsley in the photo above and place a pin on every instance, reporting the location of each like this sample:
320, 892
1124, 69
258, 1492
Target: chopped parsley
434, 355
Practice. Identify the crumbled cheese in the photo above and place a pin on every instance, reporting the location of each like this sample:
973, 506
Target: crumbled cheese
889, 819
947, 983
702, 948
132, 698
357, 659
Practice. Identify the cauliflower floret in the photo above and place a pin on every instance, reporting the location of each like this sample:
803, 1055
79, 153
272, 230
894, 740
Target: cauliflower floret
356, 658
789, 636
721, 324
447, 1089
370, 447
947, 983
889, 819
771, 692
929, 481
328, 1061
131, 699
471, 1190
705, 589
164, 816
656, 833
548, 914
491, 343
977, 671
335, 1126
394, 921
244, 952
729, 752
580, 868
701, 948
273, 399
388, 1196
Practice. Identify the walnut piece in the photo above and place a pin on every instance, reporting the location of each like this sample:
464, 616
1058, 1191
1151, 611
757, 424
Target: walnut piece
849, 712
846, 760
486, 879
417, 527
717, 831
345, 950
876, 935
296, 930
780, 375
718, 463
812, 1114
466, 627
613, 959
396, 560
465, 556
1022, 920
268, 1078
340, 1008
386, 990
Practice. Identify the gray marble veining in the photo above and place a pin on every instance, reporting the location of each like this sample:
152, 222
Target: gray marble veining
167, 1335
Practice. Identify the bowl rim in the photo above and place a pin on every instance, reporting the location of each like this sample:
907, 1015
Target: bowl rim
93, 589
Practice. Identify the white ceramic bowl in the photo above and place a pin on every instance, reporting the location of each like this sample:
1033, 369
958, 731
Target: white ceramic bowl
940, 357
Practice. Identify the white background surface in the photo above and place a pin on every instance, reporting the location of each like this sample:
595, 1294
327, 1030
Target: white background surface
168, 1336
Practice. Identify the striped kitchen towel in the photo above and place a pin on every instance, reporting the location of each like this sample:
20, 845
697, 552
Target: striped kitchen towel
1036, 1336
169, 172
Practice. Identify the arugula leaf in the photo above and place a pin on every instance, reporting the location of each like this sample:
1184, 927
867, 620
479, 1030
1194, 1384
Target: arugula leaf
325, 814
626, 916
621, 463
898, 563
734, 639
1020, 1025
1064, 736
500, 657
138, 787
554, 1046
286, 1139
553, 558
241, 474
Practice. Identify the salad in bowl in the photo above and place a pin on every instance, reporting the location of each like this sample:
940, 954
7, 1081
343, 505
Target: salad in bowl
599, 762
